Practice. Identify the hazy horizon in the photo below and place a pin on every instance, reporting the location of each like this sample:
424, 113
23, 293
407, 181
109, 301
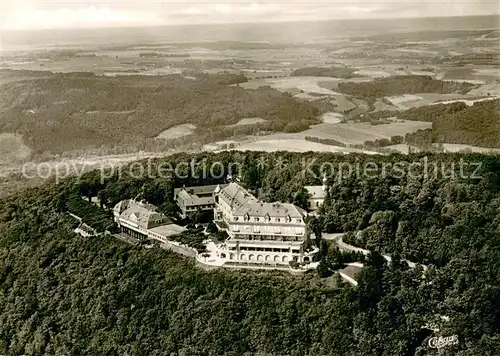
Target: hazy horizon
254, 23
273, 32
92, 14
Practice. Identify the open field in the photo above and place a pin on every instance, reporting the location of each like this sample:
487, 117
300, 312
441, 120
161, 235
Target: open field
292, 145
485, 90
219, 145
477, 75
402, 148
495, 72
265, 58
349, 133
357, 133
445, 147
451, 147
15, 176
372, 73
381, 105
408, 101
77, 165
332, 118
405, 101
97, 112
343, 103
422, 72
248, 121
177, 131
468, 102
295, 84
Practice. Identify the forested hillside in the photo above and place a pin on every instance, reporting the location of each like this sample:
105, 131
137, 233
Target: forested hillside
62, 112
64, 294
477, 125
398, 85
333, 72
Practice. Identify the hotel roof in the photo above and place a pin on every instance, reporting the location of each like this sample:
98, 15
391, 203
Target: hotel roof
236, 196
273, 210
196, 196
202, 189
140, 213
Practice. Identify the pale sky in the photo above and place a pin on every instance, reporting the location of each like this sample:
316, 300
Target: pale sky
45, 14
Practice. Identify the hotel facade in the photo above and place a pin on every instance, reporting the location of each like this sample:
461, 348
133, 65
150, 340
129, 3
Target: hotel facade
265, 234
141, 221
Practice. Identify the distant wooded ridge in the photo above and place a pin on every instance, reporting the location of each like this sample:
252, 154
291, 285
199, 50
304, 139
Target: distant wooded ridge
476, 125
334, 72
275, 33
404, 84
60, 112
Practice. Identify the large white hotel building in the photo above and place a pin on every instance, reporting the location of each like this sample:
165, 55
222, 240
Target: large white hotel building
260, 233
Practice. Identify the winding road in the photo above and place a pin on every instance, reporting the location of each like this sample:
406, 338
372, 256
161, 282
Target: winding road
338, 238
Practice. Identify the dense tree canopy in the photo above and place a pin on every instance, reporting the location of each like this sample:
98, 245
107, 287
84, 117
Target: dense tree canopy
334, 72
405, 84
64, 294
477, 125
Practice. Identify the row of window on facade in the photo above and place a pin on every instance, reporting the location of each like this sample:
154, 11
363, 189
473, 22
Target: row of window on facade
194, 208
142, 233
159, 237
133, 226
268, 237
261, 258
267, 249
267, 258
267, 218
133, 233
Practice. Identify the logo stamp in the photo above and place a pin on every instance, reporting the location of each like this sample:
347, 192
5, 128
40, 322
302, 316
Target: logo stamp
440, 342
